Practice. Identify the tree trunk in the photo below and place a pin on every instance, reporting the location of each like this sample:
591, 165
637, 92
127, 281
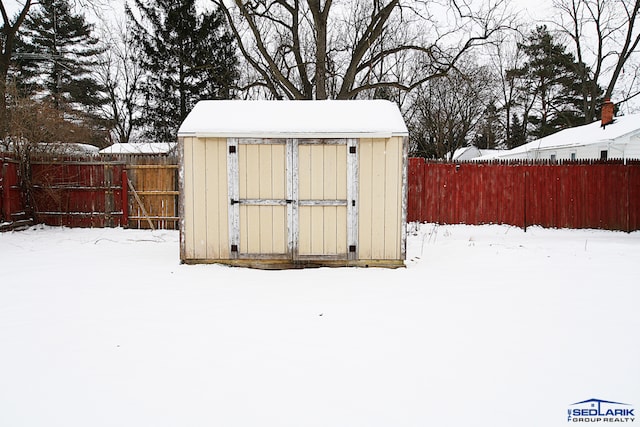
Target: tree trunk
320, 22
4, 117
6, 50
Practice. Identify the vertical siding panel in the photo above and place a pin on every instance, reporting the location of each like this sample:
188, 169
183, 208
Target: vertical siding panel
330, 193
304, 193
393, 200
317, 171
200, 198
330, 230
249, 189
252, 230
278, 179
378, 199
304, 176
341, 180
305, 226
265, 184
212, 198
251, 173
189, 239
317, 192
365, 199
341, 230
330, 189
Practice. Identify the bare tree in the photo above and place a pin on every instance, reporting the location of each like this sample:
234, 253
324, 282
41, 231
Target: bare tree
605, 36
448, 110
505, 54
319, 49
37, 128
121, 75
8, 33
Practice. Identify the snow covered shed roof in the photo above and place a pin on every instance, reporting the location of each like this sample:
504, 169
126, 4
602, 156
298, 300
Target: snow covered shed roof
140, 148
294, 119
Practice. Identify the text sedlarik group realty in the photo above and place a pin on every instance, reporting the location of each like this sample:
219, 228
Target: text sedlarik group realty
600, 411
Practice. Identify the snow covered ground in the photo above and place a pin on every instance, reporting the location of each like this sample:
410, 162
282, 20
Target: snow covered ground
487, 326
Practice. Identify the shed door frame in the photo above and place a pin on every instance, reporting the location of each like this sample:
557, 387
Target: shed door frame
292, 200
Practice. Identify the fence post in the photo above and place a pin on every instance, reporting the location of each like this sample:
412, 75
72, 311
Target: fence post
109, 195
525, 195
124, 221
628, 186
4, 200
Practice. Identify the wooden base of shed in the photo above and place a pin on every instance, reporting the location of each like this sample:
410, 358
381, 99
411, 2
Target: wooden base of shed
279, 264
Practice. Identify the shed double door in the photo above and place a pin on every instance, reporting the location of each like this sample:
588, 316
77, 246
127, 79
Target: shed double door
293, 198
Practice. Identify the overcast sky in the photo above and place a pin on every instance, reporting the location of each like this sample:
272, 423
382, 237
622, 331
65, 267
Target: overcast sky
532, 9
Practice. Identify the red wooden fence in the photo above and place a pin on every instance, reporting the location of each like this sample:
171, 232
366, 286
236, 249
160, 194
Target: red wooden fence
572, 195
91, 191
78, 192
10, 200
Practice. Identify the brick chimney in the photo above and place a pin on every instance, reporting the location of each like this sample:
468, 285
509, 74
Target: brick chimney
607, 112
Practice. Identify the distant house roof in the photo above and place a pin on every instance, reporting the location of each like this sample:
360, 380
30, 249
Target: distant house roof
326, 119
621, 129
140, 148
57, 148
472, 152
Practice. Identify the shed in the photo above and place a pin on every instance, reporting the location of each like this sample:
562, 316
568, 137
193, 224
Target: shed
285, 184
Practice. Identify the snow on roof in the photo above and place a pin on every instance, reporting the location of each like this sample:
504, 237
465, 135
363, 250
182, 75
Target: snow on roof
140, 148
356, 118
472, 152
460, 152
59, 148
592, 133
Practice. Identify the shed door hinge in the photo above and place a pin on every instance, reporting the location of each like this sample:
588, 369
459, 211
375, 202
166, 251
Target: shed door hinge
232, 149
352, 150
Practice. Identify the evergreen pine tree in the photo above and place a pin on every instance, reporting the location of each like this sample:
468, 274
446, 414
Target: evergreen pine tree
518, 136
488, 133
56, 54
550, 79
188, 55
